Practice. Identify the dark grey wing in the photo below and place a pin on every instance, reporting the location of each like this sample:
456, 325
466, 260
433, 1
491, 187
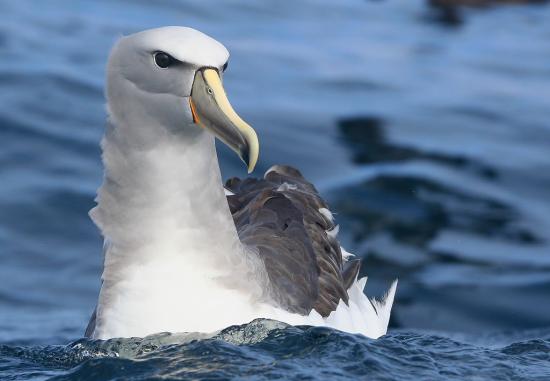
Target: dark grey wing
90, 328
91, 325
281, 216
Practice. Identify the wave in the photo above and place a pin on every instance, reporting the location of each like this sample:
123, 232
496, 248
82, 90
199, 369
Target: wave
267, 349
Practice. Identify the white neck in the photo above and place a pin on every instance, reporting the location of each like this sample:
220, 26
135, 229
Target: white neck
171, 244
168, 196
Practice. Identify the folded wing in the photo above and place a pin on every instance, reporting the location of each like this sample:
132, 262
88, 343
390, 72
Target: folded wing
284, 218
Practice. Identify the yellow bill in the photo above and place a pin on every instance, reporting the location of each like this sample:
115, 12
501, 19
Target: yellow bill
211, 109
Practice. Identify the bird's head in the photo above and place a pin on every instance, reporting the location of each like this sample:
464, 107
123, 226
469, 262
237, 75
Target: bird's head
172, 77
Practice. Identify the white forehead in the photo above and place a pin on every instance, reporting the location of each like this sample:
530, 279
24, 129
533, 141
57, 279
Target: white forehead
185, 44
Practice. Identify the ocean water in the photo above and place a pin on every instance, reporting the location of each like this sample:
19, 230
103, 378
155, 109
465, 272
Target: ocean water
428, 133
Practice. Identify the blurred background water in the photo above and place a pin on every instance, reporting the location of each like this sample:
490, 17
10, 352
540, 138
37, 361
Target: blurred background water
426, 127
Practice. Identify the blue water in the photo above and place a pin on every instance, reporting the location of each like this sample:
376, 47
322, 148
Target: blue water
431, 140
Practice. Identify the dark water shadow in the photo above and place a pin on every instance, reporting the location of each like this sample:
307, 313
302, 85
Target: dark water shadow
366, 138
395, 219
451, 13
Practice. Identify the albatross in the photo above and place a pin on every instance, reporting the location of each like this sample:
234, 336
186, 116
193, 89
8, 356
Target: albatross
183, 252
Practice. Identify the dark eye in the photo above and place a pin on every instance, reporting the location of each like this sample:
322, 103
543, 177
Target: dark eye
164, 60
224, 67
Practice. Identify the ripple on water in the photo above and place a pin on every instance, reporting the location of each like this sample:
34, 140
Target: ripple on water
268, 350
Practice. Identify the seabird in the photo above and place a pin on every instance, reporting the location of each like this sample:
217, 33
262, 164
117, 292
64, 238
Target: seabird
183, 253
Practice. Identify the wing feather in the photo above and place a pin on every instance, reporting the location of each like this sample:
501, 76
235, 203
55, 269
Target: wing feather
285, 219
